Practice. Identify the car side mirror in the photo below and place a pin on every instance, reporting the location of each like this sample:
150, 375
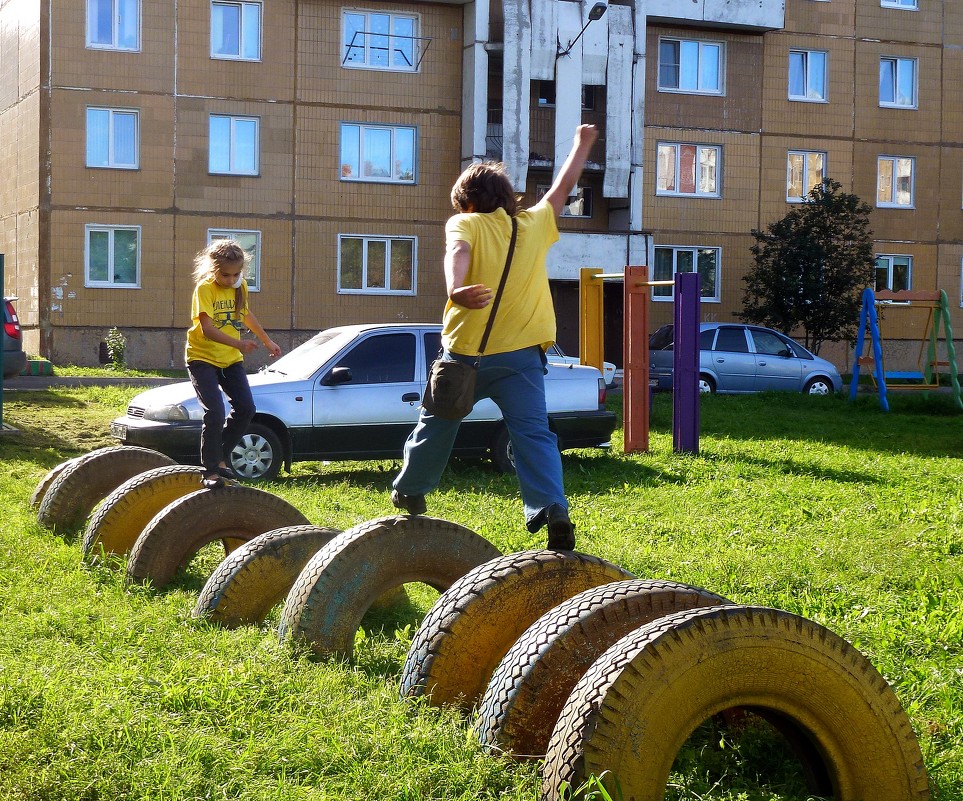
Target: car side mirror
338, 375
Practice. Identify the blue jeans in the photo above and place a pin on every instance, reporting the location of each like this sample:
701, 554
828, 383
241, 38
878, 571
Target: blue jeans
219, 436
516, 382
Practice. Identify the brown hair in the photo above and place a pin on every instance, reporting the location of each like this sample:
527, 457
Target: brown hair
220, 253
484, 187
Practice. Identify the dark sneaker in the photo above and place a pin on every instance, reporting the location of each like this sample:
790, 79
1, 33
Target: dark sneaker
213, 480
412, 504
561, 530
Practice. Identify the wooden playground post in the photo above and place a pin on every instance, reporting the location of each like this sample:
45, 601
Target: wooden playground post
590, 347
635, 384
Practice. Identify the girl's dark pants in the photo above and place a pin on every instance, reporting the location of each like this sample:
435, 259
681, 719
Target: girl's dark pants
219, 436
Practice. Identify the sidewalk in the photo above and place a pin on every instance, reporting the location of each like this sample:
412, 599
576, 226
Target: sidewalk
38, 382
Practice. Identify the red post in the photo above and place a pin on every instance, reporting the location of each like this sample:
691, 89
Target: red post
635, 384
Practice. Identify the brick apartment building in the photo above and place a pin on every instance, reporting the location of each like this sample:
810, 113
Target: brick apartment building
326, 135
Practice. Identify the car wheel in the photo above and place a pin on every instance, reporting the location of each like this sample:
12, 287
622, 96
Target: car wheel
706, 385
258, 456
818, 386
503, 457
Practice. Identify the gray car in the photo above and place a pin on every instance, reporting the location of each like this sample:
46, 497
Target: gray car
14, 359
736, 358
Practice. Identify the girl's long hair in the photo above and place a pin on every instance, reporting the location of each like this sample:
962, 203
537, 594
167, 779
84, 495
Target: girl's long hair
219, 253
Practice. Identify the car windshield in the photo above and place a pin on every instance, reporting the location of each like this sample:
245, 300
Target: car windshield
306, 358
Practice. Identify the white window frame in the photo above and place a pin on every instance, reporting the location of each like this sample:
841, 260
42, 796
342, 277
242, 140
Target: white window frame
249, 14
810, 93
232, 168
575, 204
120, 12
702, 47
899, 67
396, 176
888, 259
360, 46
906, 5
806, 156
892, 202
113, 161
667, 293
252, 270
110, 283
676, 147
366, 241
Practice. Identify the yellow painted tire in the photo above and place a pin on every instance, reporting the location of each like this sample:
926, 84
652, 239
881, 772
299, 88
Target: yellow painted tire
233, 514
257, 576
531, 684
344, 579
633, 710
125, 512
478, 619
84, 483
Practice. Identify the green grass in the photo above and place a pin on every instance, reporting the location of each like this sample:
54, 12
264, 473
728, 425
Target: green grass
832, 510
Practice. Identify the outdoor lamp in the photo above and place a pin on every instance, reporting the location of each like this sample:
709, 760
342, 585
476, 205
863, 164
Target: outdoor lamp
595, 13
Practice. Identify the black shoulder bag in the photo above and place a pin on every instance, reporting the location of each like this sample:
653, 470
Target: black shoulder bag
450, 392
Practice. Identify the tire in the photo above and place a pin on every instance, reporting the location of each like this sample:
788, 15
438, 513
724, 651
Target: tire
478, 619
37, 497
88, 480
343, 579
257, 576
528, 689
233, 514
629, 715
502, 455
706, 385
259, 455
125, 513
818, 385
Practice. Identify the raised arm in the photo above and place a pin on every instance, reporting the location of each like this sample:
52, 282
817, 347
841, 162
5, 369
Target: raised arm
567, 178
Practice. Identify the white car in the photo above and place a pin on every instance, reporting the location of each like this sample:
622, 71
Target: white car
557, 356
354, 392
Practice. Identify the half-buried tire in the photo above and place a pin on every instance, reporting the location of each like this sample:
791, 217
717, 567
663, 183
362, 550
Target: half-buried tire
636, 706
87, 480
342, 581
478, 619
531, 684
232, 514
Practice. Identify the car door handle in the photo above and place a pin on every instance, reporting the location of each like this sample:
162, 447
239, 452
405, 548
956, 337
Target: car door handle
410, 397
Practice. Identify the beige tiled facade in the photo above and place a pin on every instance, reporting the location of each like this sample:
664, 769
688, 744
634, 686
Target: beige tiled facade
300, 93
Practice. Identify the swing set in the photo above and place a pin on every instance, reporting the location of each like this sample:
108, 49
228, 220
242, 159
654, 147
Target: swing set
933, 307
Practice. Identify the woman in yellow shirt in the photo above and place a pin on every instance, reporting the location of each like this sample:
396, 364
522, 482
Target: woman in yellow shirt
512, 370
215, 353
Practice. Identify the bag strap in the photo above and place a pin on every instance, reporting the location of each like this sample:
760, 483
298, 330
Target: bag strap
501, 288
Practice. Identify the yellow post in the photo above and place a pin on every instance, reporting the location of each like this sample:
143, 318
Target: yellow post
590, 338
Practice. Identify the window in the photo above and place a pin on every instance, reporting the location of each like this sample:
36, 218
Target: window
250, 242
233, 145
236, 31
379, 41
894, 181
894, 272
804, 170
807, 75
579, 203
112, 138
672, 260
899, 4
382, 153
113, 24
689, 65
688, 169
112, 256
376, 265
897, 82
382, 359
546, 95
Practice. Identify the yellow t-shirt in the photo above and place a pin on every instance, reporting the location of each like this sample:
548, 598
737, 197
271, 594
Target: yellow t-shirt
217, 302
525, 315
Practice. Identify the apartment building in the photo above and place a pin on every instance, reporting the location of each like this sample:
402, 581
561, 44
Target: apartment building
325, 136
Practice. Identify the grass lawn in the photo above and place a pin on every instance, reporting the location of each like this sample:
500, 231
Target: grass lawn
831, 510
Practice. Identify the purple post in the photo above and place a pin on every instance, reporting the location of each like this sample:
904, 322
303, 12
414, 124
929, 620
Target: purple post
685, 365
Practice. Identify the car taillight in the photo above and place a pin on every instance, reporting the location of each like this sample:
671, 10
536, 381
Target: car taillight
602, 392
11, 326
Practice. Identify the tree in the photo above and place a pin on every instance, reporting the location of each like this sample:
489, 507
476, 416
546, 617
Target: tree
811, 267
